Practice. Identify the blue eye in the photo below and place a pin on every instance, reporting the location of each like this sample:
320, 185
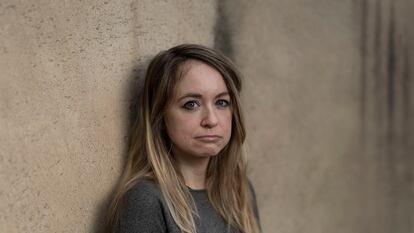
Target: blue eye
223, 103
191, 105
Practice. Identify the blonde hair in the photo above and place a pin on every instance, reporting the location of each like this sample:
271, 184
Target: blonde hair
226, 180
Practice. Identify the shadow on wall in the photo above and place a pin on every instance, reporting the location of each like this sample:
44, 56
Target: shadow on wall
223, 33
135, 83
133, 91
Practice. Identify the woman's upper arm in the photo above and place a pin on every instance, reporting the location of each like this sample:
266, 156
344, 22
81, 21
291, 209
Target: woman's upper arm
141, 212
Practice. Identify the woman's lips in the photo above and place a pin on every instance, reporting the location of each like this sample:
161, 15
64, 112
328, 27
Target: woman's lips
208, 138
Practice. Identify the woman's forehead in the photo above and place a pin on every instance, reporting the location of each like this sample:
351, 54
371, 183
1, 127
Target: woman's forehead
198, 77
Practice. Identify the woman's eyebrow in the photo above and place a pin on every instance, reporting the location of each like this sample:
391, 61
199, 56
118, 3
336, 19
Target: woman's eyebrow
199, 96
193, 95
222, 94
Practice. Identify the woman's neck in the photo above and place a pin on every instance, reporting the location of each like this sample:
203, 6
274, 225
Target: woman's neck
194, 177
193, 170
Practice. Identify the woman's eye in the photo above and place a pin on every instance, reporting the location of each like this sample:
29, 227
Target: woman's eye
190, 105
222, 103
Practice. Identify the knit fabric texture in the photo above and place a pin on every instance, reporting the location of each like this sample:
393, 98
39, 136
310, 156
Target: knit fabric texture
144, 210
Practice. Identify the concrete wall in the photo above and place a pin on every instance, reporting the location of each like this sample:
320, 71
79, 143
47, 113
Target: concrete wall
329, 100
301, 64
325, 155
66, 68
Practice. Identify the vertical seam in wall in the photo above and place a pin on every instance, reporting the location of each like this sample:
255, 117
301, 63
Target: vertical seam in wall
363, 75
391, 61
376, 77
393, 154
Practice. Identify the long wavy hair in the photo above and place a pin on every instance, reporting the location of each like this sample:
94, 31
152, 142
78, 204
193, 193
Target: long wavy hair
149, 151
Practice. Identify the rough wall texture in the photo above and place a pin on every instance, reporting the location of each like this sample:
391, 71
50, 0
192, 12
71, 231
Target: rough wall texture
328, 100
66, 68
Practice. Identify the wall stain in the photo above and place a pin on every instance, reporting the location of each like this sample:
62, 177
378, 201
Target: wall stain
223, 34
391, 60
363, 54
377, 65
386, 102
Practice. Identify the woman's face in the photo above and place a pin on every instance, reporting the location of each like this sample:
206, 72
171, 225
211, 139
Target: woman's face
198, 118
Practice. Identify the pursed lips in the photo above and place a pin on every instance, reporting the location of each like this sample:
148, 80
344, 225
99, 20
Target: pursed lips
208, 138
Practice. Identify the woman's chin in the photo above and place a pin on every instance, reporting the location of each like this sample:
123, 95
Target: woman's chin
208, 153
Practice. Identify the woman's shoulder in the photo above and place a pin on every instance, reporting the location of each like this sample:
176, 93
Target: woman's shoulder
144, 190
142, 209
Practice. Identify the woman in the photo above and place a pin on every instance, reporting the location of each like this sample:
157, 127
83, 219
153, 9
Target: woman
186, 171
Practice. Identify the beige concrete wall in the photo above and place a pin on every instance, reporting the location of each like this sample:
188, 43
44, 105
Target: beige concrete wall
326, 154
66, 67
301, 66
317, 144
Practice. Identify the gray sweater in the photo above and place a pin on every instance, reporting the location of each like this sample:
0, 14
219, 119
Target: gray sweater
144, 210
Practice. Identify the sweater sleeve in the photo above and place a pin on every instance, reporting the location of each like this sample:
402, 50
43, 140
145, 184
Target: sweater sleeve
141, 212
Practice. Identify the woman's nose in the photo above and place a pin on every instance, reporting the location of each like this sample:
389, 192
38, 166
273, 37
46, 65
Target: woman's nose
210, 118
